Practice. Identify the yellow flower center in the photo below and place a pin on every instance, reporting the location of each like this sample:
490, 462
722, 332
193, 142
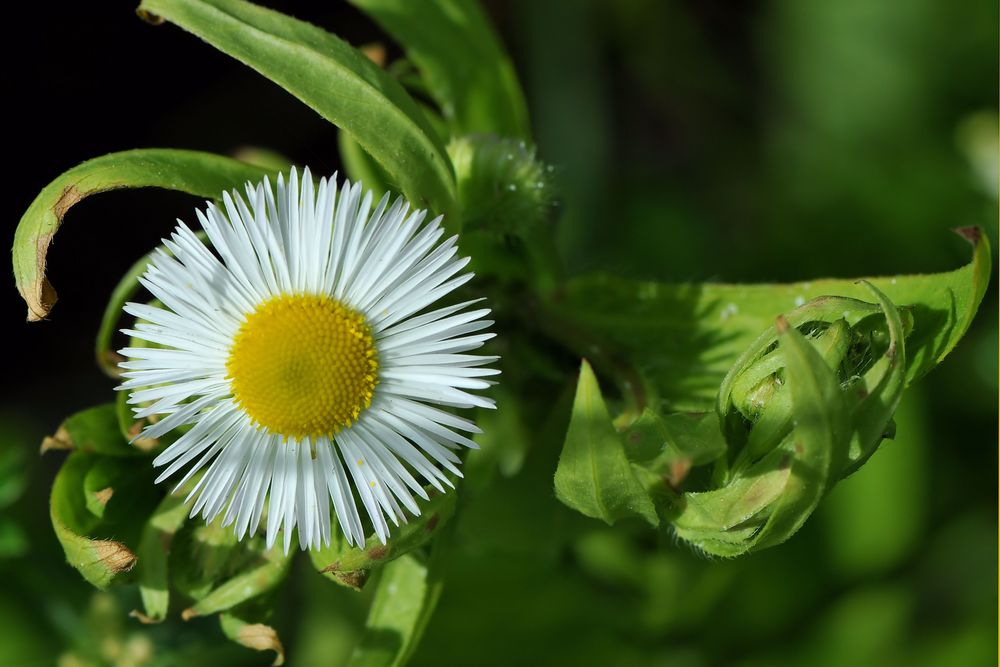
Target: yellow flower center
303, 365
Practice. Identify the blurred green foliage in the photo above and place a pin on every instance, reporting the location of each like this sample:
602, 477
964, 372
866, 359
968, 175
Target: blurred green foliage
692, 141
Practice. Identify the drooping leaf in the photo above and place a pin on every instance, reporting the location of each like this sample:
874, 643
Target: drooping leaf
670, 345
594, 476
99, 527
201, 174
462, 61
334, 79
406, 596
351, 566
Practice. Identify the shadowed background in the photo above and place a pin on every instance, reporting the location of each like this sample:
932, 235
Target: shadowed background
726, 141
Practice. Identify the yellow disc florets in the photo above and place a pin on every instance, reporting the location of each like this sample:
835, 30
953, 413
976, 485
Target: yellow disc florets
303, 365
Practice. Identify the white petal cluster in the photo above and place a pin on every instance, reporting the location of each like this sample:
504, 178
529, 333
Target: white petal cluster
305, 238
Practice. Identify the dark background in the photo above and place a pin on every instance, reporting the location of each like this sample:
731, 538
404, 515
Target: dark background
733, 141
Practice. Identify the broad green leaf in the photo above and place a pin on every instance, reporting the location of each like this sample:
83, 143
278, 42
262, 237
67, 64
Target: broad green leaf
594, 475
257, 636
351, 566
96, 532
405, 598
333, 78
96, 430
201, 174
462, 61
153, 552
670, 345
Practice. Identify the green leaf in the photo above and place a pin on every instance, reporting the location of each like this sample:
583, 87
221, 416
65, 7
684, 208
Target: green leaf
153, 552
466, 68
128, 285
360, 166
208, 564
767, 503
351, 566
820, 439
97, 507
405, 598
670, 345
724, 509
594, 475
201, 174
658, 441
96, 430
333, 78
879, 391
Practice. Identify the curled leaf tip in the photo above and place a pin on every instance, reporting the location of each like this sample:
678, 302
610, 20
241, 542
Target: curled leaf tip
971, 234
43, 297
148, 16
61, 439
114, 555
143, 618
104, 495
262, 637
781, 324
188, 614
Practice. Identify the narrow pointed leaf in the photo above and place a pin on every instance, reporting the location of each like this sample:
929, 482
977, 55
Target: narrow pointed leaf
462, 61
594, 475
153, 552
333, 78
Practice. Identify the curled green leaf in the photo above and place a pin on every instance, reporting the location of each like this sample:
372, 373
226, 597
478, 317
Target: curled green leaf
201, 174
97, 507
96, 430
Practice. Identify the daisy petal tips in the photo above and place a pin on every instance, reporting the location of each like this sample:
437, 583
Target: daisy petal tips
301, 349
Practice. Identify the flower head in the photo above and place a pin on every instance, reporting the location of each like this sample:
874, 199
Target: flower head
300, 360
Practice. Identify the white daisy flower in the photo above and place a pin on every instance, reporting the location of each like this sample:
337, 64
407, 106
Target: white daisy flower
299, 361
